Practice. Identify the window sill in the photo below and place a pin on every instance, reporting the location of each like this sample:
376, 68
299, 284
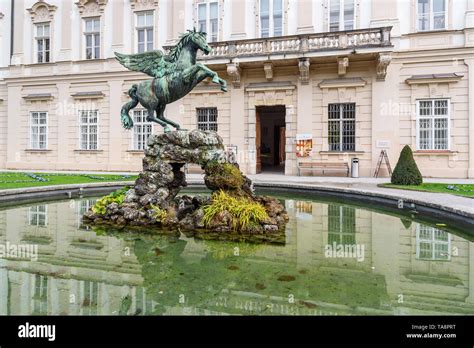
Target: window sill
88, 151
136, 151
434, 31
434, 152
38, 150
340, 152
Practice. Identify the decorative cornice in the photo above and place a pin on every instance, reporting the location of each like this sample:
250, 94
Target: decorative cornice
88, 95
270, 86
42, 12
343, 83
38, 96
141, 5
434, 78
91, 7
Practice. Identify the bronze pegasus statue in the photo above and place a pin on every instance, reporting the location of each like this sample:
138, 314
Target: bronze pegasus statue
174, 75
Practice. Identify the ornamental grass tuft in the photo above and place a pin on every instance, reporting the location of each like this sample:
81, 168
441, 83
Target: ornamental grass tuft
243, 211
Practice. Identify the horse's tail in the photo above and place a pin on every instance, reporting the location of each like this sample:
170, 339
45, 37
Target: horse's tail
127, 121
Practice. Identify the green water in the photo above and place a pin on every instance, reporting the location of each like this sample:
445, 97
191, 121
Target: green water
335, 259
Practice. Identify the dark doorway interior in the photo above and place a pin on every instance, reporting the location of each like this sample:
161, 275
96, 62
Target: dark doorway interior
272, 138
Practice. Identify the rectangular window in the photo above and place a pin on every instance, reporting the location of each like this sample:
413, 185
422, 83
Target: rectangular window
145, 31
207, 118
42, 43
92, 38
341, 225
432, 244
83, 206
89, 129
341, 15
341, 127
208, 19
271, 18
38, 215
433, 124
90, 297
38, 130
40, 295
142, 129
431, 15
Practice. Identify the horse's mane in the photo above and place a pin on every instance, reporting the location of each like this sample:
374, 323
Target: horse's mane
176, 50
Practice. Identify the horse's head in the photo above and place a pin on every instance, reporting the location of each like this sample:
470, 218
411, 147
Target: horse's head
198, 38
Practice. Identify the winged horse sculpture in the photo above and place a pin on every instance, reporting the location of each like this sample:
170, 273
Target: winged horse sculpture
174, 75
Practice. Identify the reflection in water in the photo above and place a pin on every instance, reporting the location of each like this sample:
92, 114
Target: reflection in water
336, 260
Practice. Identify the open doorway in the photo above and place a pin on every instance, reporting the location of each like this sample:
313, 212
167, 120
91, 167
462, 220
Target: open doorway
270, 139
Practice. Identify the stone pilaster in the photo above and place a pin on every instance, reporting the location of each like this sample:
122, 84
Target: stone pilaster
305, 17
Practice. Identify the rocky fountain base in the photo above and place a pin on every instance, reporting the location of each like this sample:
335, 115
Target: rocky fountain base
231, 210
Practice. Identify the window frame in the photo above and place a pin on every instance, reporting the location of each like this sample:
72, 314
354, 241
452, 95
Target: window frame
34, 210
344, 213
38, 125
81, 209
433, 241
271, 19
431, 15
340, 120
207, 122
207, 4
341, 20
144, 122
145, 28
432, 117
43, 38
93, 33
80, 124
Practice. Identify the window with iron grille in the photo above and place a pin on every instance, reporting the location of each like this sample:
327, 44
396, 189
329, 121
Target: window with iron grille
38, 215
341, 15
433, 124
271, 18
208, 19
92, 38
39, 130
145, 31
42, 42
40, 295
141, 129
207, 118
89, 129
341, 225
83, 206
341, 127
432, 244
431, 15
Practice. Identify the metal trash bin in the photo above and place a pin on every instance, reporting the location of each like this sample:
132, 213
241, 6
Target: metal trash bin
355, 168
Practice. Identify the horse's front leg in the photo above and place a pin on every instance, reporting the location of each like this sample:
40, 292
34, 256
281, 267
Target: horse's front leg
215, 78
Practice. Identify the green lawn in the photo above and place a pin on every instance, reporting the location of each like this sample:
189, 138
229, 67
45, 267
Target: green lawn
10, 180
466, 190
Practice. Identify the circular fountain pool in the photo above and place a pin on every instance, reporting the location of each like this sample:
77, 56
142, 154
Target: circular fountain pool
334, 259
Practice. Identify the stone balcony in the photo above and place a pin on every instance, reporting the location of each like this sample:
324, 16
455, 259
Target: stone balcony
300, 45
305, 49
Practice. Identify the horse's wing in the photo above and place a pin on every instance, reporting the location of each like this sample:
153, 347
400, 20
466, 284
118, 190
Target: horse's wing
150, 63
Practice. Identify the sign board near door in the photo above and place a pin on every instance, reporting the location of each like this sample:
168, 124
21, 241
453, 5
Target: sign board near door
304, 144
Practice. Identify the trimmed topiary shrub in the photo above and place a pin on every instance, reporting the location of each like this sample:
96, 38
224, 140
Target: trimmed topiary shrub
406, 171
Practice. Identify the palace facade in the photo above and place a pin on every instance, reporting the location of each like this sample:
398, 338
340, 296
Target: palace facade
319, 81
